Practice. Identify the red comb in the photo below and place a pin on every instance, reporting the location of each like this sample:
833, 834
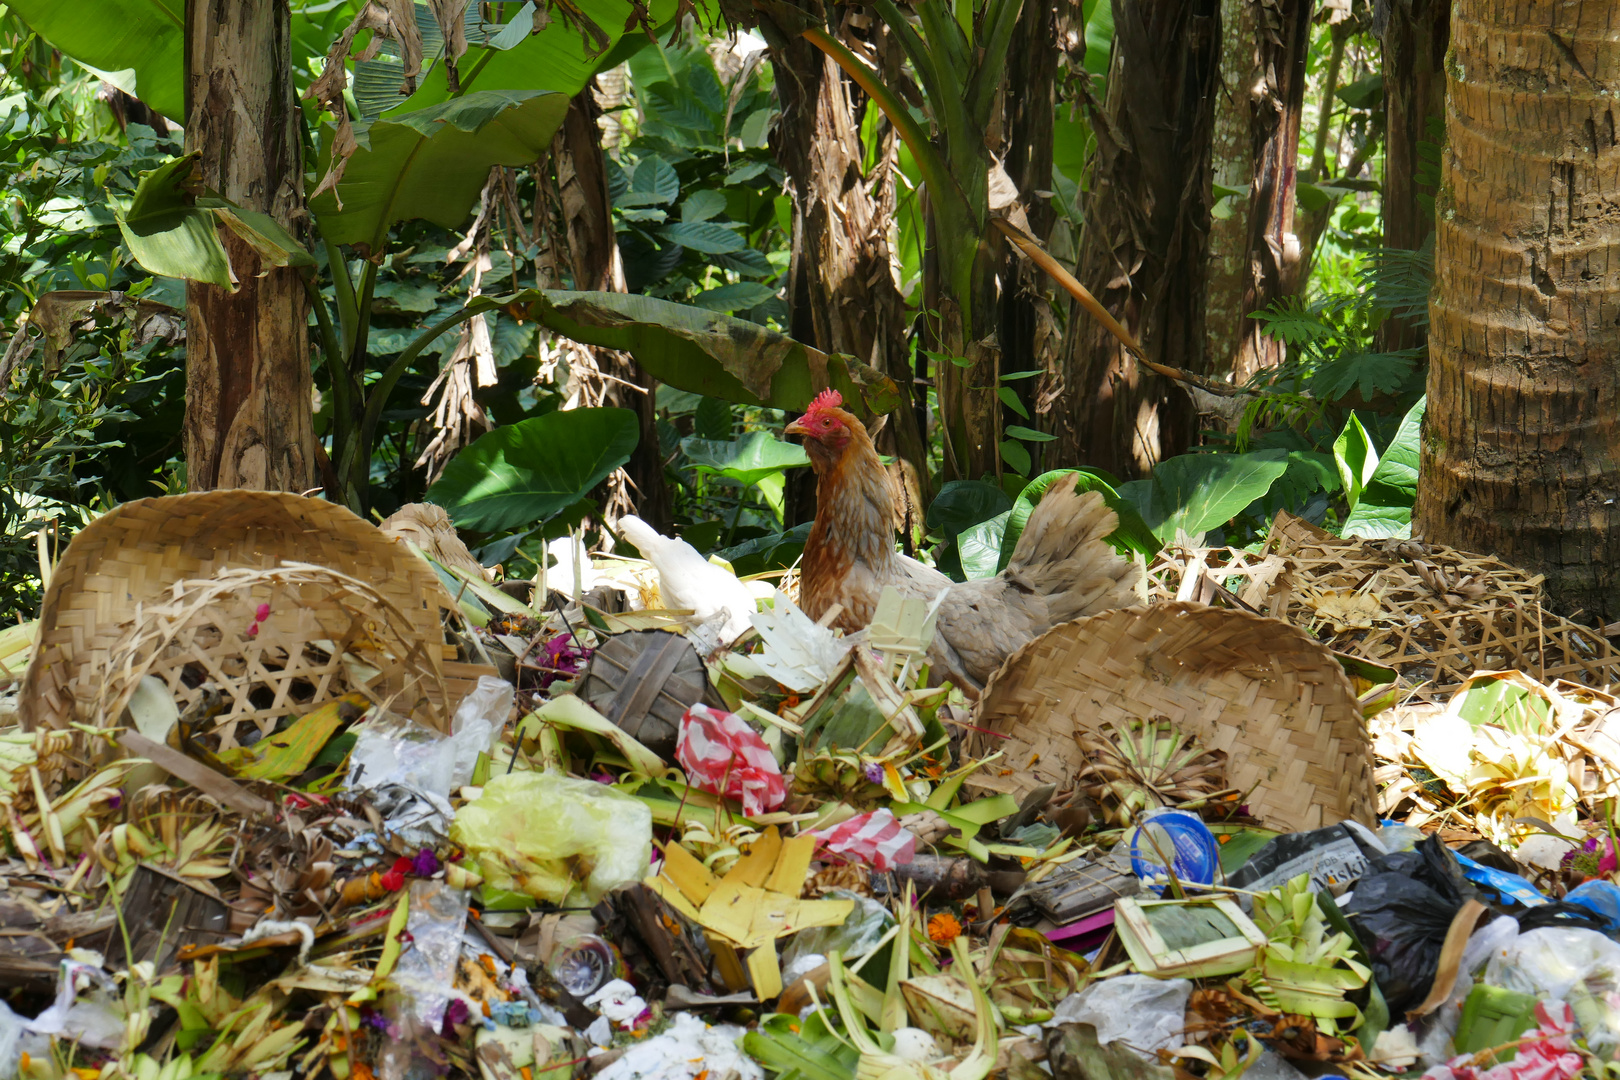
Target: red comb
827, 399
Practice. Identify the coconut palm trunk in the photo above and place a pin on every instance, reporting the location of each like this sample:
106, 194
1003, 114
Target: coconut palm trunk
1521, 446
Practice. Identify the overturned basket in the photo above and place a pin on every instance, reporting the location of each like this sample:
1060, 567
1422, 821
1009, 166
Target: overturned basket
1265, 692
282, 602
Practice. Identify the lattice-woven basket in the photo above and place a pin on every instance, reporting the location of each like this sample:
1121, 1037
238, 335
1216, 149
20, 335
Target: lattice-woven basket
1263, 691
171, 586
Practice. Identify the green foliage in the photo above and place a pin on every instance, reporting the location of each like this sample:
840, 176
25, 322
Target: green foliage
1195, 493
525, 473
1131, 537
1385, 506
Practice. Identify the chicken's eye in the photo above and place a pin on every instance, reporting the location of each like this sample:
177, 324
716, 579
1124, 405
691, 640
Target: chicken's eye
826, 421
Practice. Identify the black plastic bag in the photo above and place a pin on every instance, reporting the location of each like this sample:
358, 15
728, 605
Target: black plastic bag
1401, 909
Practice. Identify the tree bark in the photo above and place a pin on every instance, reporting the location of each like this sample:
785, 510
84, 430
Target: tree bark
248, 409
1415, 41
1145, 246
1279, 102
1233, 156
593, 254
1029, 332
1521, 447
842, 296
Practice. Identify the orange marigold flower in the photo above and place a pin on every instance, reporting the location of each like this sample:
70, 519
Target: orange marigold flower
943, 928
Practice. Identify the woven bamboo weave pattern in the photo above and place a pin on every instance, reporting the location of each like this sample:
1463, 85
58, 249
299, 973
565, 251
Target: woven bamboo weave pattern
136, 570
1434, 613
1274, 700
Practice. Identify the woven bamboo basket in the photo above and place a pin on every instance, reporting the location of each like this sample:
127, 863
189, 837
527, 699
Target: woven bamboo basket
1263, 691
173, 587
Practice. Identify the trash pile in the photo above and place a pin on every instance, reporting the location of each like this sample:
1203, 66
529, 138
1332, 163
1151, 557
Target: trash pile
270, 812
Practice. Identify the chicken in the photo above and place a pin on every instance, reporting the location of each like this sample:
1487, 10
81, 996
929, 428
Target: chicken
689, 582
1063, 567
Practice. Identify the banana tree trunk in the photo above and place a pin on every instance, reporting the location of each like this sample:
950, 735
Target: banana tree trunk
593, 256
1233, 155
1274, 253
1144, 252
842, 296
248, 410
1415, 41
1521, 446
1030, 337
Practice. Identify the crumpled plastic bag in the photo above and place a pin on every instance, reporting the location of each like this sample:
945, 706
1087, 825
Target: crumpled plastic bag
867, 923
396, 750
687, 1049
1581, 967
88, 1009
545, 834
724, 756
876, 839
1401, 909
1144, 1013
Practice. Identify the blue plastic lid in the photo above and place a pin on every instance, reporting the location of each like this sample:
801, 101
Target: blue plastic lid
1180, 836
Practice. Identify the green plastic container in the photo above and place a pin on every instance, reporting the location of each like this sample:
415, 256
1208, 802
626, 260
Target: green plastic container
1493, 1016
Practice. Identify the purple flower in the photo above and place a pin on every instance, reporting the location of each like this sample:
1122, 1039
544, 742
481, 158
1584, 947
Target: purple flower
426, 864
874, 773
561, 658
454, 1013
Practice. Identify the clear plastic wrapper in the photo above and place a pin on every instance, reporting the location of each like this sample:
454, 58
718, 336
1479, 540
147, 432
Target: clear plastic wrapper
1145, 1014
858, 936
547, 834
1581, 967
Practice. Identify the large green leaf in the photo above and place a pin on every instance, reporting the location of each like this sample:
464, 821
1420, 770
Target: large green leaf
1132, 535
704, 352
137, 45
1356, 458
1385, 507
432, 163
516, 476
747, 460
173, 234
962, 504
979, 548
1197, 492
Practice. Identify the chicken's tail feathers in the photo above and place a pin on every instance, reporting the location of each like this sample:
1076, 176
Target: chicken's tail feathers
1064, 554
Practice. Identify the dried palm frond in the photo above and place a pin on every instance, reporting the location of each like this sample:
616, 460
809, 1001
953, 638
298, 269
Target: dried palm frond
1146, 764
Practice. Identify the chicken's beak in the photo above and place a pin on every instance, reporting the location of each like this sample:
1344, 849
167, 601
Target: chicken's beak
796, 428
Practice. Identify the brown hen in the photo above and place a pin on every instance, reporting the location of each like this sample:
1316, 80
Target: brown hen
1063, 567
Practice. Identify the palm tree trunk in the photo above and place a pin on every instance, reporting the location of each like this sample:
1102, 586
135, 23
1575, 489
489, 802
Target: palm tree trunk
1415, 41
1273, 248
1145, 246
1521, 447
248, 410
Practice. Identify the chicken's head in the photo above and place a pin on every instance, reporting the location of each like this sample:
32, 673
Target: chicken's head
827, 429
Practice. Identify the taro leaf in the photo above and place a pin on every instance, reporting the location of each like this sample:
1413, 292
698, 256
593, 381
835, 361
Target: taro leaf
1198, 492
138, 47
739, 296
979, 548
1385, 507
747, 460
1355, 457
527, 472
962, 504
704, 352
431, 163
1132, 535
711, 418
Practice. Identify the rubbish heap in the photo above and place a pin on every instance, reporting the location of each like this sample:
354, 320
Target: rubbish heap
288, 795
